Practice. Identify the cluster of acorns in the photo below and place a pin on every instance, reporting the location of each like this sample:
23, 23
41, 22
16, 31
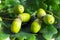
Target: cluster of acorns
41, 16
25, 17
22, 17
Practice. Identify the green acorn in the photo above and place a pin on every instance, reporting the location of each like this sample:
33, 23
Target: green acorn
16, 25
19, 9
35, 26
49, 19
25, 17
40, 13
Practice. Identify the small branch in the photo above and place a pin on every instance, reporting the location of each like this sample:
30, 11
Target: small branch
5, 25
7, 19
57, 17
49, 12
34, 13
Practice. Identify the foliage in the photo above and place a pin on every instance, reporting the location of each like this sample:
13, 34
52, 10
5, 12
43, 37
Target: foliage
8, 15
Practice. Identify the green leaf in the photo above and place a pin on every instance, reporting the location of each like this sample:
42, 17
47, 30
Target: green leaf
55, 7
50, 2
1, 6
48, 32
11, 2
27, 36
36, 4
57, 1
40, 37
58, 37
23, 36
4, 36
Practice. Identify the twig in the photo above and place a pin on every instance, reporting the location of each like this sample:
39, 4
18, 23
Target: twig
57, 17
34, 13
7, 19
